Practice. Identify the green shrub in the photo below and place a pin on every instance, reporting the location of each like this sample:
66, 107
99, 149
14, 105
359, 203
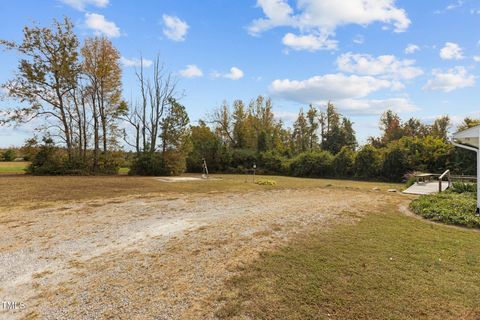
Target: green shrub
449, 208
272, 163
463, 187
410, 179
171, 163
174, 162
50, 160
9, 155
367, 162
343, 162
47, 161
110, 165
394, 164
312, 164
148, 164
242, 158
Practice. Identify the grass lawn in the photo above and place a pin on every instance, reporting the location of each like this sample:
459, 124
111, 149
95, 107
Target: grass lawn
388, 266
38, 191
13, 167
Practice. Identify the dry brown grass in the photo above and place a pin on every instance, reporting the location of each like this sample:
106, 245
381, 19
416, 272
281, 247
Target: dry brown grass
31, 192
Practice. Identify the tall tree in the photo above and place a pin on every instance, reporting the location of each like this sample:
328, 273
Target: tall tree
101, 66
468, 123
221, 118
240, 126
391, 126
300, 136
47, 75
175, 127
440, 127
312, 115
337, 131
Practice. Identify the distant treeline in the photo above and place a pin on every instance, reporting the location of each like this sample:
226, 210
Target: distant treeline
74, 91
323, 144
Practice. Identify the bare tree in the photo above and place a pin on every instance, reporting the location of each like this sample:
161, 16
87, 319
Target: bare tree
156, 93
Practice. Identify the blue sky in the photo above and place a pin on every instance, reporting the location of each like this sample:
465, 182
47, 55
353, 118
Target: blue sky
419, 58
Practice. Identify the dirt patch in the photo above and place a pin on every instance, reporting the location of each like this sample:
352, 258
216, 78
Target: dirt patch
163, 258
179, 179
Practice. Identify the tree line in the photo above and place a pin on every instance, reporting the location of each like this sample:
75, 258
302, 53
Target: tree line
73, 90
322, 143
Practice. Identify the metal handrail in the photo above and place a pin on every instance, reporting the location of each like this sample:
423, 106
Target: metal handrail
440, 179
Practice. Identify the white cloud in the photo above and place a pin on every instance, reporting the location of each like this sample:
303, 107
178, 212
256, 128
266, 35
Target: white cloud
386, 66
175, 29
313, 18
135, 62
452, 79
82, 4
412, 48
476, 58
359, 39
277, 12
191, 71
374, 106
100, 25
234, 74
329, 86
451, 51
285, 116
309, 42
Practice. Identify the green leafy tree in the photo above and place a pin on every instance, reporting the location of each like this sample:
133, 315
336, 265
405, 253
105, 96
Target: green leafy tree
101, 66
312, 127
47, 74
240, 126
300, 135
440, 127
9, 155
391, 126
337, 131
205, 145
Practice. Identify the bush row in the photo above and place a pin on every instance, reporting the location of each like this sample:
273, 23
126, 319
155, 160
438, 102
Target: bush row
390, 163
51, 160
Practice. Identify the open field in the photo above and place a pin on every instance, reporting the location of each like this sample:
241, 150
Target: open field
13, 167
19, 167
33, 191
140, 248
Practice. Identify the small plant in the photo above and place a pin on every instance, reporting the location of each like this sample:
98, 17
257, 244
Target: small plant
410, 179
463, 187
449, 208
266, 182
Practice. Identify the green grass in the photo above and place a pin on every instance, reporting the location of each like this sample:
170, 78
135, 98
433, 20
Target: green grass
123, 170
13, 167
448, 207
388, 266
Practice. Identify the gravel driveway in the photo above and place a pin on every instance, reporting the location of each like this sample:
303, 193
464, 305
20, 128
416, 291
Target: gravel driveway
153, 257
